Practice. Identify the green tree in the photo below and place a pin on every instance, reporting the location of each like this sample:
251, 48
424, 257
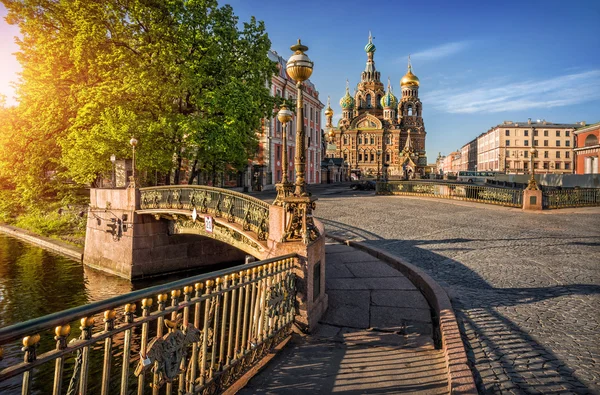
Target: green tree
180, 75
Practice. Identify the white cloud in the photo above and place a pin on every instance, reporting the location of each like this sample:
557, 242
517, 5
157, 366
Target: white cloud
441, 51
553, 92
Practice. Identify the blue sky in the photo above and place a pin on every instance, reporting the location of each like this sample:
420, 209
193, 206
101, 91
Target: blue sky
479, 62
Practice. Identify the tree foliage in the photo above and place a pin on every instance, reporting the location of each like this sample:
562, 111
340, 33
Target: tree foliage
182, 76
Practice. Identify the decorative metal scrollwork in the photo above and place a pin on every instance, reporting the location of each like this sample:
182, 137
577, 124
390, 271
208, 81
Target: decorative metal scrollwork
168, 351
218, 210
228, 203
300, 224
205, 199
150, 199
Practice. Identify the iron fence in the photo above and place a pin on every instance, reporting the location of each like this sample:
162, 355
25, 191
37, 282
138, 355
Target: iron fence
215, 328
575, 197
474, 193
251, 213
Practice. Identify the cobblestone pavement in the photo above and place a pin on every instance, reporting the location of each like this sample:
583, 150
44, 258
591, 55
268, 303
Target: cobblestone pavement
526, 286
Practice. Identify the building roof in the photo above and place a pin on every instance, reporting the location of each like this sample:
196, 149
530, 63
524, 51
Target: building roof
536, 124
336, 161
587, 128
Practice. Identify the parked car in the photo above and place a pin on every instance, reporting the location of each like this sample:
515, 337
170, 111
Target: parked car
365, 185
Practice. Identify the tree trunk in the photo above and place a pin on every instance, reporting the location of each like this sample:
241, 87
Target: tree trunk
193, 172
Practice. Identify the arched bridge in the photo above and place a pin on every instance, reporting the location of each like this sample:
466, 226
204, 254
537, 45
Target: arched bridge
227, 216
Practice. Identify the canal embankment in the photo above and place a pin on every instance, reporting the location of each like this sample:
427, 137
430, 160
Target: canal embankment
48, 243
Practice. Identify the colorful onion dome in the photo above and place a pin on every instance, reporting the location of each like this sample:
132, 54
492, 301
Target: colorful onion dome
370, 47
389, 100
347, 102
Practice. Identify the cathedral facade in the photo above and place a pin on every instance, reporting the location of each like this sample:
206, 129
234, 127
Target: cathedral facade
379, 134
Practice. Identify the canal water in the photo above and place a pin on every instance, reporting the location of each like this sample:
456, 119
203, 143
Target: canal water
35, 282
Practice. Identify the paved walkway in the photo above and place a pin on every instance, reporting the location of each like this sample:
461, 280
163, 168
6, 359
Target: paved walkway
376, 337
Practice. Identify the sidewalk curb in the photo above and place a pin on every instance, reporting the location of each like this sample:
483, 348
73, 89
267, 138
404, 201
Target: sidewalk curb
460, 377
44, 242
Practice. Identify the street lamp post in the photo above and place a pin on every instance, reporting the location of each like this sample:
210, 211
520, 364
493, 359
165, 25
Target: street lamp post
532, 185
378, 164
132, 181
284, 189
113, 159
299, 223
300, 67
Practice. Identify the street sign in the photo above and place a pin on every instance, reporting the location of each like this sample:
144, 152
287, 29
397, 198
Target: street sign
208, 224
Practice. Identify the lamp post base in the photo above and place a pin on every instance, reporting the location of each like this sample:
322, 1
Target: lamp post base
284, 189
299, 223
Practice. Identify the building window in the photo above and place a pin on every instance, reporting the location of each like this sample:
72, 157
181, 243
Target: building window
558, 133
360, 157
567, 143
535, 165
372, 157
369, 101
526, 143
567, 165
558, 143
546, 166
545, 154
526, 165
372, 140
567, 154
535, 133
345, 140
545, 133
278, 152
526, 154
507, 133
508, 143
558, 154
359, 139
557, 167
567, 133
526, 133
387, 157
507, 153
545, 143
535, 143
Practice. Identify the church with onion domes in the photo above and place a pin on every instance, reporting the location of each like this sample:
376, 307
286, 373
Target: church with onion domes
379, 134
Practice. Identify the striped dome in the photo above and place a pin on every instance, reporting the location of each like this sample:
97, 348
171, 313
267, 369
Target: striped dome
389, 100
347, 102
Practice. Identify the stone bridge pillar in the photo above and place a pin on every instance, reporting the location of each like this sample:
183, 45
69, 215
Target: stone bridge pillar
311, 298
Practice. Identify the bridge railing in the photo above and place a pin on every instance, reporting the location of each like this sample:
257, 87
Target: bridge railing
571, 197
251, 213
467, 192
198, 334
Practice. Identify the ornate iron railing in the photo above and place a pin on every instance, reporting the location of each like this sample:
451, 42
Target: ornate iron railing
575, 197
473, 193
216, 326
251, 213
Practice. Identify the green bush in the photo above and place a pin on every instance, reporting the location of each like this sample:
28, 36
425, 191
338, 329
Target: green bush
52, 223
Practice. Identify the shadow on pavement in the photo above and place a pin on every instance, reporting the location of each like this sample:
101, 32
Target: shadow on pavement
504, 357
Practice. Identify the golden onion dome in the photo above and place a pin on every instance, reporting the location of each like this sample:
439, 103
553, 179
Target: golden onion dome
409, 78
328, 110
